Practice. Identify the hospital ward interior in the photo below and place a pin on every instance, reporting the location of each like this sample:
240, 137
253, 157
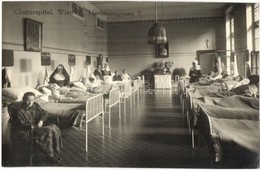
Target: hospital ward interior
130, 84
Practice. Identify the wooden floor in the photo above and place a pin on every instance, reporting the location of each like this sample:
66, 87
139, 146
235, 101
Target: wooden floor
153, 135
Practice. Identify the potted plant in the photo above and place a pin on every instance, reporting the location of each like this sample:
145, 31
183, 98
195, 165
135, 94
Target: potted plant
178, 71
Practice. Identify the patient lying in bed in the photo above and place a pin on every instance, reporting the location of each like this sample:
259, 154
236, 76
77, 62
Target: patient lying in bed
90, 84
93, 85
234, 83
250, 89
215, 77
67, 92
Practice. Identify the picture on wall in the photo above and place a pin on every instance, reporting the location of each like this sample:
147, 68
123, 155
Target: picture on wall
33, 35
162, 50
45, 59
7, 58
71, 59
88, 60
100, 59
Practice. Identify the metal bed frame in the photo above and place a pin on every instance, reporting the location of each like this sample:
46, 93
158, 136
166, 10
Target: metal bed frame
94, 108
136, 89
113, 100
187, 105
203, 124
209, 135
127, 93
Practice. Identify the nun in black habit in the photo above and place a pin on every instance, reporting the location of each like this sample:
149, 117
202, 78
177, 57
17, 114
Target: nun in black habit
60, 76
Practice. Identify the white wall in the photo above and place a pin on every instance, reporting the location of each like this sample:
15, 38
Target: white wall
62, 35
128, 48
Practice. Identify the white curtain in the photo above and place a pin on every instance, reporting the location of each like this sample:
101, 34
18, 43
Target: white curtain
83, 73
71, 73
9, 74
219, 64
46, 77
235, 69
7, 77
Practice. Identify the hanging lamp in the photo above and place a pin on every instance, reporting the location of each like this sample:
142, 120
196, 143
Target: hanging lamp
156, 34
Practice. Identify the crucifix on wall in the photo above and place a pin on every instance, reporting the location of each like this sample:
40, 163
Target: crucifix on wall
207, 43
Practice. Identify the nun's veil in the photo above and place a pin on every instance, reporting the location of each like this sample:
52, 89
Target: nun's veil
64, 72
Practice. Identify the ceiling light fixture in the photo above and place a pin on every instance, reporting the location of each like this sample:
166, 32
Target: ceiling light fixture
156, 34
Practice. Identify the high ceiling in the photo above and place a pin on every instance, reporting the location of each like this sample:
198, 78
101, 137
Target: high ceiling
141, 10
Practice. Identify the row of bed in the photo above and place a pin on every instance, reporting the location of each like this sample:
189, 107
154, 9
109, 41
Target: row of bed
228, 125
84, 108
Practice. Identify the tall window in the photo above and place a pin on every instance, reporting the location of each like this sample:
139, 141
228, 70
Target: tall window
232, 33
256, 26
230, 41
255, 53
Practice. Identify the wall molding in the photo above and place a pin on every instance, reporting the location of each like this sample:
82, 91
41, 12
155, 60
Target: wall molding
151, 55
172, 21
46, 48
67, 50
13, 44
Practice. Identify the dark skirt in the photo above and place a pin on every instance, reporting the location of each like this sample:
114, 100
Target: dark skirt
48, 139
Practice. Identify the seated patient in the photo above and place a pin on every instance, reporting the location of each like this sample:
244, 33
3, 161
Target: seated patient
60, 76
125, 76
214, 76
117, 77
93, 85
86, 83
194, 73
90, 82
106, 71
29, 115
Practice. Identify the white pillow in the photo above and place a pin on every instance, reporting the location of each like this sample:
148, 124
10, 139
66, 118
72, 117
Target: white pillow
46, 91
108, 79
17, 92
79, 85
8, 99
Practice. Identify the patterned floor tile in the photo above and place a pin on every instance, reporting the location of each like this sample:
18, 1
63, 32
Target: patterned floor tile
154, 135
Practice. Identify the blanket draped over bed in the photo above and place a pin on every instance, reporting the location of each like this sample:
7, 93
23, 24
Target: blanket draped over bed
233, 121
68, 114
